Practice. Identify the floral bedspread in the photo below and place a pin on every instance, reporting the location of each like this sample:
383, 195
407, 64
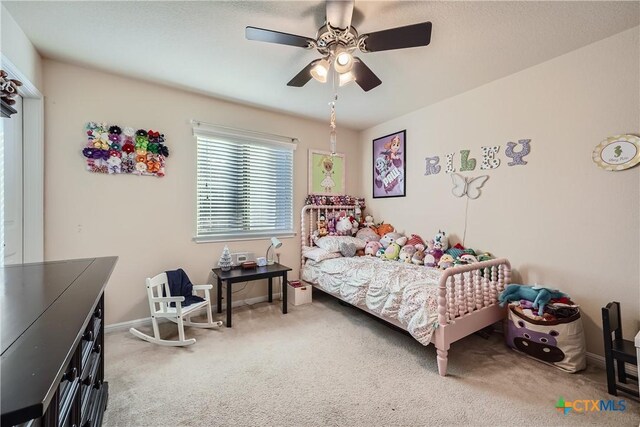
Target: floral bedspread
395, 290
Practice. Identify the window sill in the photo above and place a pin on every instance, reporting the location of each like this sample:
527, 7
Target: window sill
230, 238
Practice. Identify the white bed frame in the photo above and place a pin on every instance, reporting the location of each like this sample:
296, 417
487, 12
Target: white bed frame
467, 295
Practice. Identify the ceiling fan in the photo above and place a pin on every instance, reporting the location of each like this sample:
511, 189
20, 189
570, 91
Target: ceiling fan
337, 40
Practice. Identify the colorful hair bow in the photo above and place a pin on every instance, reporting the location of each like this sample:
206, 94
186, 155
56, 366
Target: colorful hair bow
164, 150
88, 152
141, 167
128, 148
153, 148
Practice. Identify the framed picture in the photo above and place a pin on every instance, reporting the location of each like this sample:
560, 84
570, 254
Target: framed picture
389, 165
617, 153
326, 173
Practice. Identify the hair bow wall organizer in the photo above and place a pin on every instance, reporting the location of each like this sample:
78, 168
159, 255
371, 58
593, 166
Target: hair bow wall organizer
112, 149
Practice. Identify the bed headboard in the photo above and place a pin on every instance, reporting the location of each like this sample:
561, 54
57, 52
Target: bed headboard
309, 221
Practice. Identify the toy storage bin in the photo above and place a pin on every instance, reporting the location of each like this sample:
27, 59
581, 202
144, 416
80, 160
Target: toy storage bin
298, 292
559, 343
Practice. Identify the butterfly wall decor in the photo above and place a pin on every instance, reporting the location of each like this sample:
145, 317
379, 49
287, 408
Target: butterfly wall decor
467, 185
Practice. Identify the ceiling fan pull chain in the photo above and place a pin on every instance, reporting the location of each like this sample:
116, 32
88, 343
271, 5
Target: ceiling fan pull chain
332, 126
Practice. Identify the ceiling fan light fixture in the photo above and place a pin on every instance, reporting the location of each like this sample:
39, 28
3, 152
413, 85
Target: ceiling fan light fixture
347, 77
321, 70
344, 61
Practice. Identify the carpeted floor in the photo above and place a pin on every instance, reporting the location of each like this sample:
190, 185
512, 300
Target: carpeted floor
325, 364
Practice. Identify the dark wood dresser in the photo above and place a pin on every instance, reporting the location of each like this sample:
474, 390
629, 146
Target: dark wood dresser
52, 342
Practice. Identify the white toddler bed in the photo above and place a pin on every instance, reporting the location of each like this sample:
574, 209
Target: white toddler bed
434, 306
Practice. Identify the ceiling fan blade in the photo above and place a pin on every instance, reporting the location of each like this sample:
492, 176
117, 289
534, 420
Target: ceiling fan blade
339, 13
365, 78
270, 36
398, 38
303, 76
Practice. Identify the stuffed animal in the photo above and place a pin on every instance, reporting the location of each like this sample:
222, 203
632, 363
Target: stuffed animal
432, 257
468, 258
343, 226
383, 229
418, 257
406, 253
354, 225
368, 221
322, 226
445, 262
440, 241
371, 248
367, 235
331, 226
392, 252
539, 295
485, 257
380, 252
389, 238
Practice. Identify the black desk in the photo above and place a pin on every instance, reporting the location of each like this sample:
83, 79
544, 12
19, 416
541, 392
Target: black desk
239, 275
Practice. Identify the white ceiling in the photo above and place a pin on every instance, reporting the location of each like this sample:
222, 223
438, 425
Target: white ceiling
200, 46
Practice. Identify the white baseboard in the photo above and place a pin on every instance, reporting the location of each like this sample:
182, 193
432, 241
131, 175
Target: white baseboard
597, 360
124, 326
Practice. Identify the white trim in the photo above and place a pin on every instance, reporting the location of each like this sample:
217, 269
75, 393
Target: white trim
208, 130
33, 179
28, 89
124, 326
33, 169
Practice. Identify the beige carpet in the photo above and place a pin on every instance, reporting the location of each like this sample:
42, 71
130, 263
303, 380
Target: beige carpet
325, 364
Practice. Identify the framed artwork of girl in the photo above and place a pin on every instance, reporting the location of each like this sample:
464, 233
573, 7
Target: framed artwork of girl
326, 173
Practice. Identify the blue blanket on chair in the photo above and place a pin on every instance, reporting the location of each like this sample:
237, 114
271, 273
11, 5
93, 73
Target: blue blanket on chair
181, 286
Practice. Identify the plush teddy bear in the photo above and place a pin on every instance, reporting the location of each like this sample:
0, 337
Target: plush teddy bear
539, 295
406, 253
371, 248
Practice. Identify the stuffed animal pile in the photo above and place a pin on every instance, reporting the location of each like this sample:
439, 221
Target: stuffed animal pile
383, 241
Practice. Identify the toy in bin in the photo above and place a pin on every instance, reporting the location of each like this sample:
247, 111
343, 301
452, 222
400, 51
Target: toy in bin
298, 292
545, 324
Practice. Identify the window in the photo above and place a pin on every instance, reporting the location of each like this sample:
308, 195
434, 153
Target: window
244, 184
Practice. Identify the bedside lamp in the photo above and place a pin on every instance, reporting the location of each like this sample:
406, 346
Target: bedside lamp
275, 244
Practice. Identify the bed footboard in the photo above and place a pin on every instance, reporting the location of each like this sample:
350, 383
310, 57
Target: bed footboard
468, 302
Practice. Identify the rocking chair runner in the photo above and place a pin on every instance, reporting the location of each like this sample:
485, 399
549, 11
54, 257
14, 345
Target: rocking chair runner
160, 307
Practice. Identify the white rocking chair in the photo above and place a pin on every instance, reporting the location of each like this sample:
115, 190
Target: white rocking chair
160, 307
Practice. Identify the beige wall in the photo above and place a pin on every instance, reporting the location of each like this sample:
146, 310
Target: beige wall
561, 221
149, 222
18, 49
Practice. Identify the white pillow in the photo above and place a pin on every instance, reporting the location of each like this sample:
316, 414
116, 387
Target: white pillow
319, 254
332, 243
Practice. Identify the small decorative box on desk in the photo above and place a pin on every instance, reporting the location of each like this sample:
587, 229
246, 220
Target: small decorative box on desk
298, 292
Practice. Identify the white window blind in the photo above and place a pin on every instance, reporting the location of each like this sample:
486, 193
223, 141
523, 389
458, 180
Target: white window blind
244, 184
